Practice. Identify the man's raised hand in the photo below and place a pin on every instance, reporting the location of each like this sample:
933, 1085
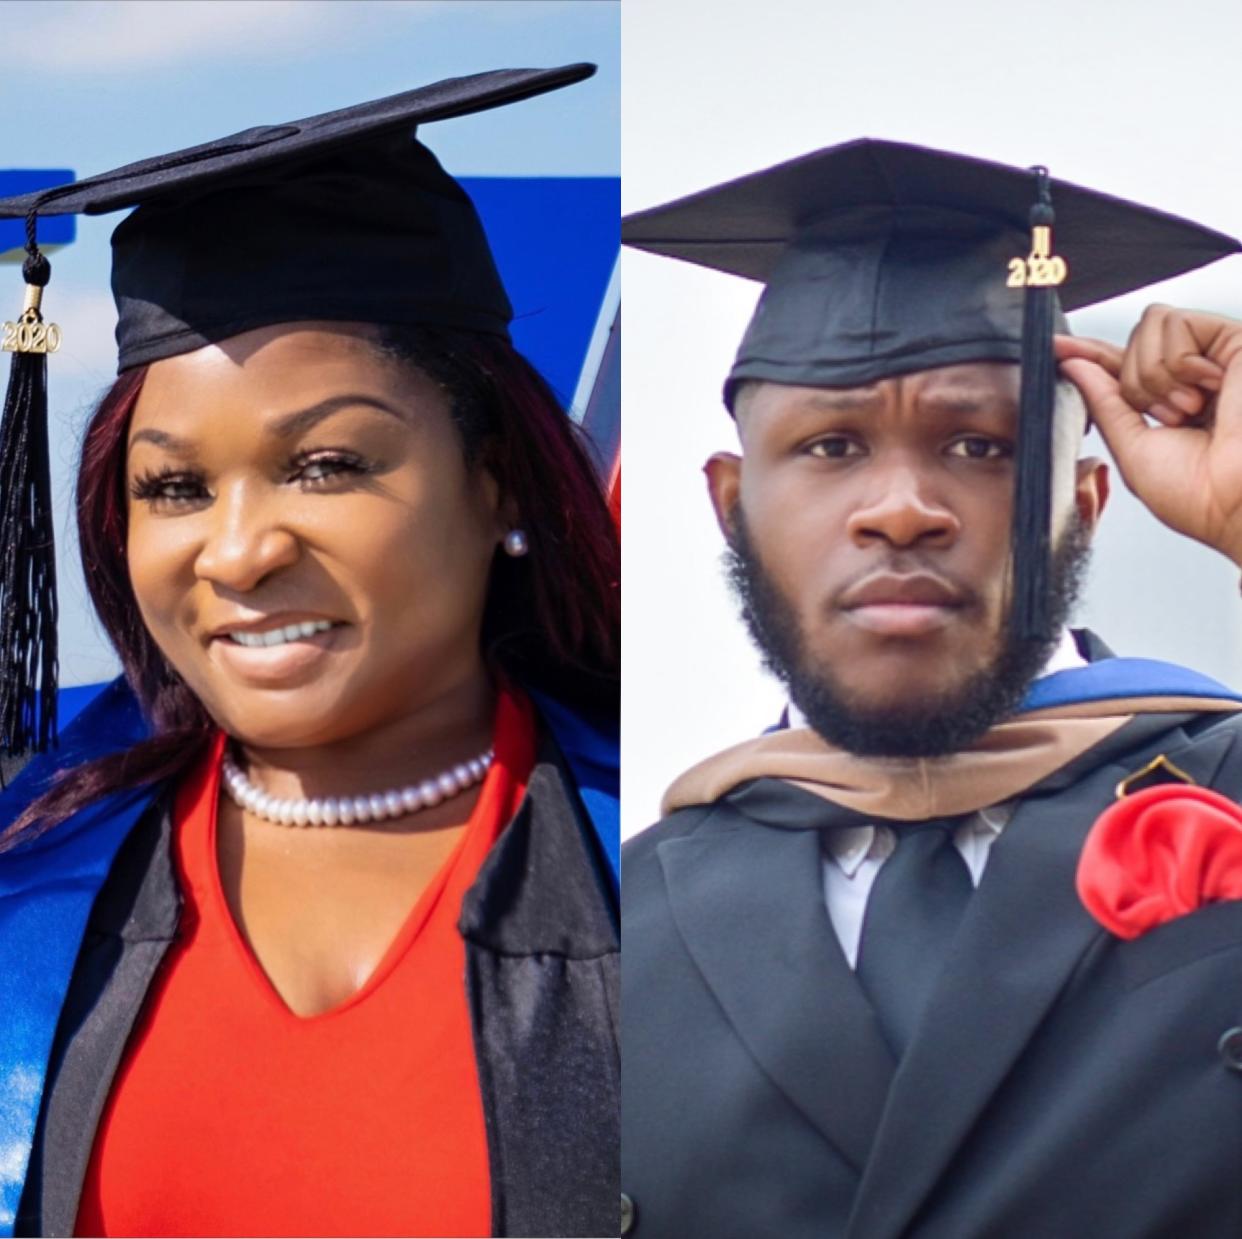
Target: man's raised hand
1169, 406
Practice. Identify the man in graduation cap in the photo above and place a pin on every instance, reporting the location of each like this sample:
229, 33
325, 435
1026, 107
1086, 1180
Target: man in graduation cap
957, 950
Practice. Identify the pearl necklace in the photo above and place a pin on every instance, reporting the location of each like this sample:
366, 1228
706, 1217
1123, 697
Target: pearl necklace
345, 810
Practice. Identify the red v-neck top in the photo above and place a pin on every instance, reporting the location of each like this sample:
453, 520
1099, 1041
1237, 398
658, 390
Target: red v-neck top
230, 1115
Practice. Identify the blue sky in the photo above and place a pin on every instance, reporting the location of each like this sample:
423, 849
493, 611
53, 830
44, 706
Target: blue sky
94, 84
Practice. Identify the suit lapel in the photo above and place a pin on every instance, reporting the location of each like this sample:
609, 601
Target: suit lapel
1019, 943
749, 905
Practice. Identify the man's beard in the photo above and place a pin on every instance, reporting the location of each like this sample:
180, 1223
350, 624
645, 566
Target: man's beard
929, 727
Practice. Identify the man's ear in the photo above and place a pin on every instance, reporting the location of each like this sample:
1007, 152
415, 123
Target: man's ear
1091, 489
724, 483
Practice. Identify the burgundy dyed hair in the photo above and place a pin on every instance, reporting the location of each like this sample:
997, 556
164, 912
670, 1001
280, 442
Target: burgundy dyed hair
552, 618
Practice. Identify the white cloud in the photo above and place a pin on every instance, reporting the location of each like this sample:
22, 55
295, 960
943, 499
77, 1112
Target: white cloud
135, 34
87, 317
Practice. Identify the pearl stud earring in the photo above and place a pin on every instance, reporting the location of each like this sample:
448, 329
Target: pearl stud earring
516, 543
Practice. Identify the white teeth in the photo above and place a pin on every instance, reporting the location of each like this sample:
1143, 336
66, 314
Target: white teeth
281, 636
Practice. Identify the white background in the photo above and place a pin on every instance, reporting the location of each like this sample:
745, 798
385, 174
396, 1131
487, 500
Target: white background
1142, 99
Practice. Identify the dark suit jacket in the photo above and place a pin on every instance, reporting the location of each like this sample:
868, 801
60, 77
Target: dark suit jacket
1062, 1083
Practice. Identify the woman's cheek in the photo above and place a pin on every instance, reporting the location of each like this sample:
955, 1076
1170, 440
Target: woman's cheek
161, 573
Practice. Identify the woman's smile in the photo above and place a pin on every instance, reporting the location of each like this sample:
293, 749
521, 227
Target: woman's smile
281, 654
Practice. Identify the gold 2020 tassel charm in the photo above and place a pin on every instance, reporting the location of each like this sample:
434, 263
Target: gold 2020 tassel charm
30, 334
1041, 268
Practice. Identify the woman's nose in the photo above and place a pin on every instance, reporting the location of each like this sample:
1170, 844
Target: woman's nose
246, 541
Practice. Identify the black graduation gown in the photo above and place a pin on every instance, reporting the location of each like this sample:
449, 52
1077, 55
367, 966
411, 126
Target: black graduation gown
1063, 1082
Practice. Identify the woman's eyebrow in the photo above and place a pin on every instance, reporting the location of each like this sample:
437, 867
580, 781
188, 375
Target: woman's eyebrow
161, 438
290, 424
287, 426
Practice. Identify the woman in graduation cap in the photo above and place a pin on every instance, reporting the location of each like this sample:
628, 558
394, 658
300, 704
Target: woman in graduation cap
308, 925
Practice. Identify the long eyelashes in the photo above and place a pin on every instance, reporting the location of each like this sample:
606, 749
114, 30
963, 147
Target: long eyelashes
320, 466
173, 485
311, 470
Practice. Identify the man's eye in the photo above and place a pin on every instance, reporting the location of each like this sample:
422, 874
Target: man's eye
977, 447
835, 447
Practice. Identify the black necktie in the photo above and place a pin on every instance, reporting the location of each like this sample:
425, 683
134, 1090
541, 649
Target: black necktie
913, 912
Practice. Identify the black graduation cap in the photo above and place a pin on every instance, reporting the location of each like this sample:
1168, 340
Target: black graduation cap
882, 258
343, 216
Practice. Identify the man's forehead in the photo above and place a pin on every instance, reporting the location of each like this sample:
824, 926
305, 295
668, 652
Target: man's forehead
994, 383
963, 388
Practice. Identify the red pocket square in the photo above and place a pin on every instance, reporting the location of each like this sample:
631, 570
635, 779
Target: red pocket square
1159, 854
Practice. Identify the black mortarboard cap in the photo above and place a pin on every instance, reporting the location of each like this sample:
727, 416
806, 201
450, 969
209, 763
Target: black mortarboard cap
881, 258
343, 216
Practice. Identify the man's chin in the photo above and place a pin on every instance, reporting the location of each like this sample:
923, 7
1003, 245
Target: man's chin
932, 721
913, 701
899, 676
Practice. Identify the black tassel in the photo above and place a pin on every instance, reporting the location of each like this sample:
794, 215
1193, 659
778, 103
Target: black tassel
28, 611
1032, 510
